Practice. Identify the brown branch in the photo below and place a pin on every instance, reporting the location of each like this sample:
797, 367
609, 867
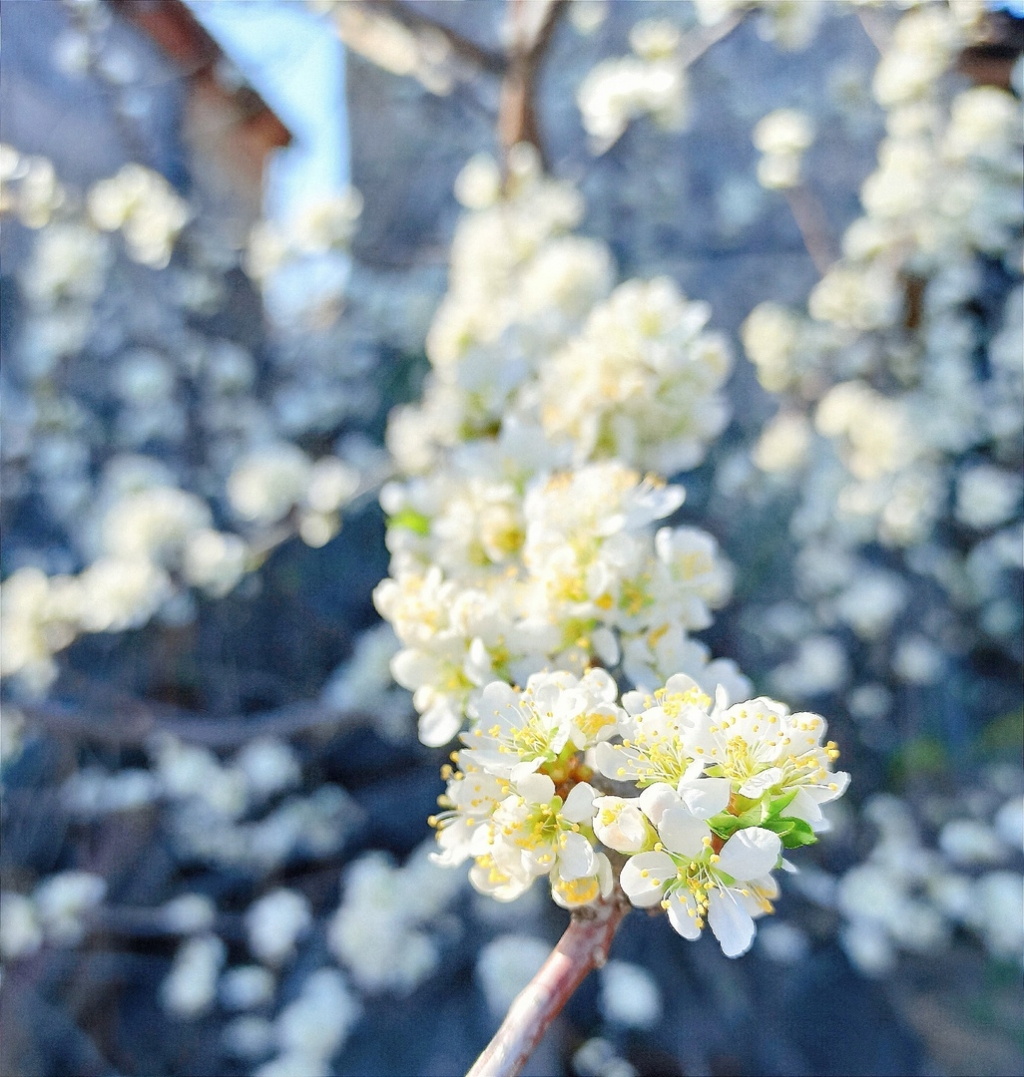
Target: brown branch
417, 21
583, 947
531, 37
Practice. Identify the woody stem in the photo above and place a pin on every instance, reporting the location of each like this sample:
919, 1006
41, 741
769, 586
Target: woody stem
583, 947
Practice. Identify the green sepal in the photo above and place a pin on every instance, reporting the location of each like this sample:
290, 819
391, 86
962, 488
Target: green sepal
726, 824
410, 520
773, 808
793, 832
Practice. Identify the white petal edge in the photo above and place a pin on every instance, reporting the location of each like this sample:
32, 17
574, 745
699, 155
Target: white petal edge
750, 853
644, 891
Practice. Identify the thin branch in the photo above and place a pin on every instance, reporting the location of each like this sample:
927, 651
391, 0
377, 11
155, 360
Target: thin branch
140, 722
531, 37
875, 29
135, 922
583, 947
810, 219
695, 44
417, 21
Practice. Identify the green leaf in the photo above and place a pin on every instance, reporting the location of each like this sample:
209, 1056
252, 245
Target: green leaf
793, 832
771, 809
725, 824
410, 520
796, 838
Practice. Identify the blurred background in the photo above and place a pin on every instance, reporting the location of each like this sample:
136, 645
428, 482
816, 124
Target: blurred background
226, 229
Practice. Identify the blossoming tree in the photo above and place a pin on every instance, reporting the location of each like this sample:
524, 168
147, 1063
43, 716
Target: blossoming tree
613, 541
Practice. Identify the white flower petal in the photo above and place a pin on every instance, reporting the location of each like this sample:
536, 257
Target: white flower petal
706, 796
536, 788
579, 804
620, 825
644, 876
575, 857
605, 877
804, 807
750, 853
682, 914
518, 773
605, 645
822, 794
680, 684
756, 786
439, 725
682, 832
634, 701
655, 799
608, 760
694, 771
730, 921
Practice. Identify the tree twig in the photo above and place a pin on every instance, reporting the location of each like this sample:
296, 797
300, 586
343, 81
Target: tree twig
417, 21
875, 29
698, 42
583, 947
810, 219
140, 722
531, 36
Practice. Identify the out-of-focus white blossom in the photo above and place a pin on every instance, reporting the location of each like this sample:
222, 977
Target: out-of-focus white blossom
906, 896
506, 965
629, 995
782, 137
188, 914
784, 443
246, 987
269, 765
275, 923
191, 986
267, 484
91, 791
143, 206
62, 902
650, 82
248, 1037
316, 1023
987, 496
213, 560
641, 382
20, 931
384, 931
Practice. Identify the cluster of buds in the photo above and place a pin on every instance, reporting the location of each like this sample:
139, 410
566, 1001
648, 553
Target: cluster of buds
690, 802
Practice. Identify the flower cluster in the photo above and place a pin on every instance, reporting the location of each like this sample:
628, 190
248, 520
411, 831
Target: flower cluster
523, 538
387, 929
652, 81
537, 530
910, 895
903, 406
718, 793
782, 137
144, 208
